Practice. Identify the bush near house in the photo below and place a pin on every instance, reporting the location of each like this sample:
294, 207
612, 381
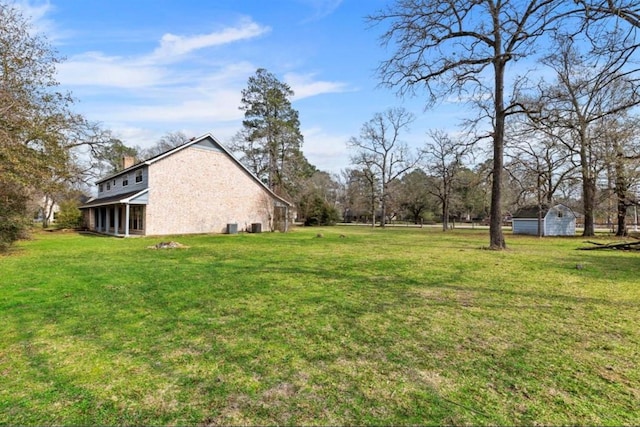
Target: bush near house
69, 215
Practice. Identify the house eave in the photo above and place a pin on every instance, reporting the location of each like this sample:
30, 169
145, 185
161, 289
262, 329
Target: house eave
119, 199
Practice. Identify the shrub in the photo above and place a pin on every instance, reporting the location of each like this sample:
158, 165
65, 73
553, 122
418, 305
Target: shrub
13, 218
321, 212
69, 215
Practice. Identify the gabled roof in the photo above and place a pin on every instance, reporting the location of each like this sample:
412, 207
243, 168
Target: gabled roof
187, 144
531, 211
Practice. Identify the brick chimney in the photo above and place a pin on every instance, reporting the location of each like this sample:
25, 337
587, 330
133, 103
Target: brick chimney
128, 161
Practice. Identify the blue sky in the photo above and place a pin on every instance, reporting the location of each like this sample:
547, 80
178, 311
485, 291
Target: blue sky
147, 67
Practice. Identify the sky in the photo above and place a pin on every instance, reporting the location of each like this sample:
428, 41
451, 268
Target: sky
143, 68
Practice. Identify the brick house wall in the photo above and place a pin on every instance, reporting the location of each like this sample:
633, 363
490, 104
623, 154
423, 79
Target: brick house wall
200, 190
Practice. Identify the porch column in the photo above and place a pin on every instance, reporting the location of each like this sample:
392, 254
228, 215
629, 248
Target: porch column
99, 224
126, 220
116, 222
108, 219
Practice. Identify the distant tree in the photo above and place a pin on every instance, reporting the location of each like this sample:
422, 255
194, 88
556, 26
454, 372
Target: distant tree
463, 47
165, 143
358, 195
381, 154
473, 190
319, 211
270, 140
443, 160
109, 157
587, 91
320, 185
622, 165
413, 195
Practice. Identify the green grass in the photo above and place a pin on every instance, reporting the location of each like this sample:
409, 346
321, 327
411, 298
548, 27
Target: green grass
397, 326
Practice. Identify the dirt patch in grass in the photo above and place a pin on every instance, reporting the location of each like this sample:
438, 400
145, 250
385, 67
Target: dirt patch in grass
168, 245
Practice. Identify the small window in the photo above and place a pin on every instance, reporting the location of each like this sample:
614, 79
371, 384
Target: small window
114, 182
125, 180
108, 186
139, 176
560, 214
100, 188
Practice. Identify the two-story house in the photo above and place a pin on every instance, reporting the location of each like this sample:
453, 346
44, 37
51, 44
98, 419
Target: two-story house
197, 187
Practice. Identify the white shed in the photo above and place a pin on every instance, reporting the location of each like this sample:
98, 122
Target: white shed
558, 220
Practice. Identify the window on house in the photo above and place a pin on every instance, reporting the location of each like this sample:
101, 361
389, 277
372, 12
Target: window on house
560, 214
114, 182
139, 176
100, 188
125, 180
108, 186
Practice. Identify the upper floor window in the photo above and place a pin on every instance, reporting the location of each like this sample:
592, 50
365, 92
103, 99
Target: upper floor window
100, 188
139, 176
125, 180
108, 186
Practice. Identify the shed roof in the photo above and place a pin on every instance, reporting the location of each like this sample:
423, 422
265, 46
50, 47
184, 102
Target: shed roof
531, 211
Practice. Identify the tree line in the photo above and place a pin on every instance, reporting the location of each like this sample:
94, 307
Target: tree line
560, 127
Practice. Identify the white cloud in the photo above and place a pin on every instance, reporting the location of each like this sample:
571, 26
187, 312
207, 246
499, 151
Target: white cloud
96, 69
191, 110
321, 8
304, 86
325, 151
36, 13
145, 71
172, 46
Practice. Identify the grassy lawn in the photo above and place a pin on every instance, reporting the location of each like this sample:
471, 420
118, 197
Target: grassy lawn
396, 326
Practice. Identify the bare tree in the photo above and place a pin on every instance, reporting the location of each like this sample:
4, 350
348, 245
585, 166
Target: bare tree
443, 159
622, 165
587, 91
538, 163
165, 143
463, 47
381, 153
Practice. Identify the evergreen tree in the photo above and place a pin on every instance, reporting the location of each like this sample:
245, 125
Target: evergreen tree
270, 140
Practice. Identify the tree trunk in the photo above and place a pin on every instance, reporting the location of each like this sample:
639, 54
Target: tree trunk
621, 187
373, 210
621, 230
588, 194
496, 238
445, 214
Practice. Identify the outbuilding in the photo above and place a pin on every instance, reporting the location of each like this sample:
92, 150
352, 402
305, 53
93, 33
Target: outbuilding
557, 220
